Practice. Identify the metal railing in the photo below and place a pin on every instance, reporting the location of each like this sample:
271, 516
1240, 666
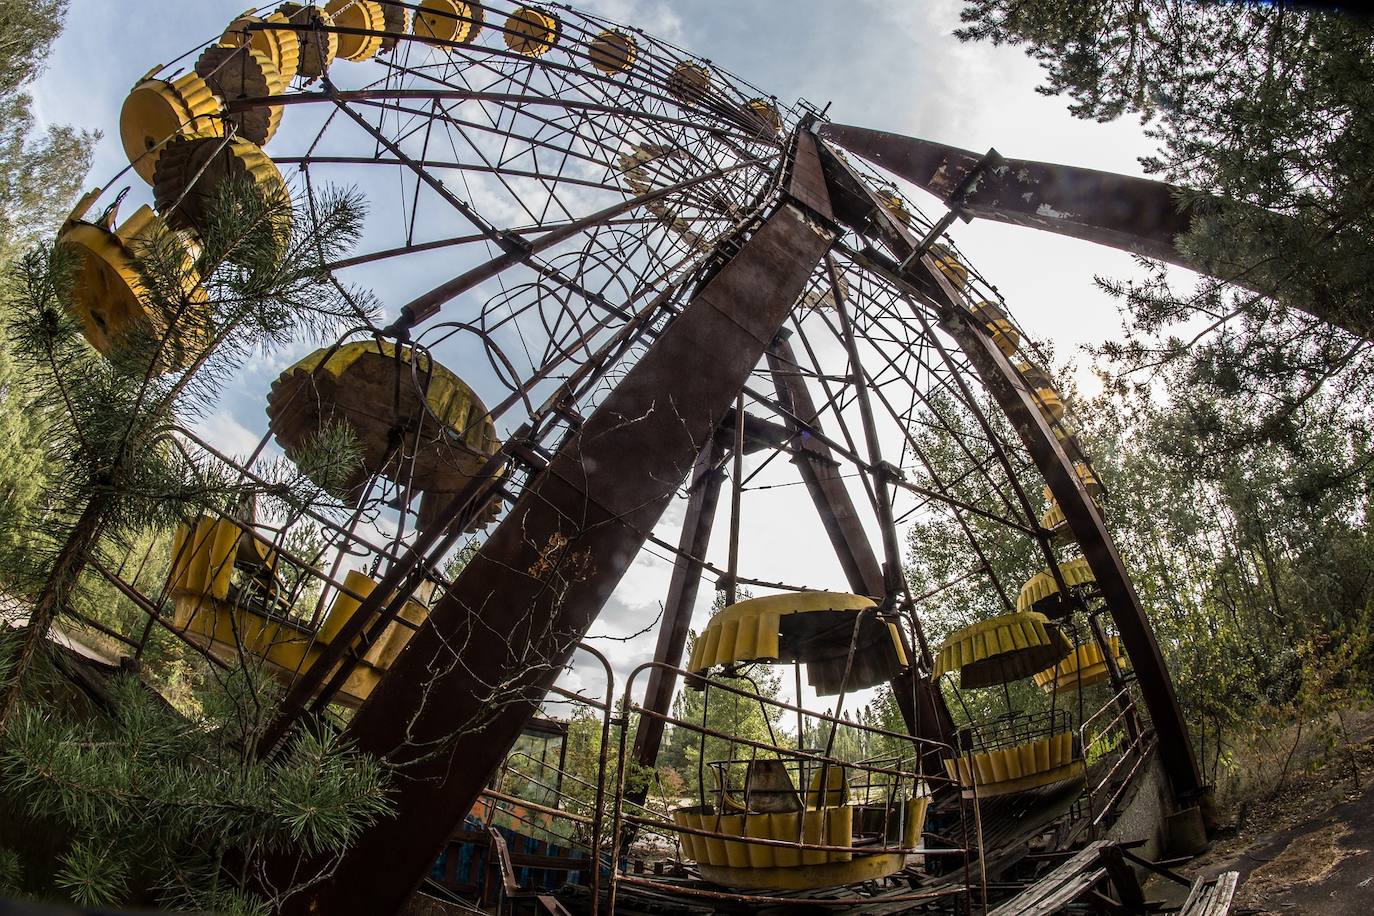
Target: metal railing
1122, 735
896, 778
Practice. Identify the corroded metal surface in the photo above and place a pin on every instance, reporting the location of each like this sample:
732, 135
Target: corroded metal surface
1000, 378
446, 716
704, 487
1132, 214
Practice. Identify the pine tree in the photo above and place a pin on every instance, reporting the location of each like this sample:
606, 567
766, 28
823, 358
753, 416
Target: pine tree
139, 805
39, 175
1266, 108
136, 803
112, 420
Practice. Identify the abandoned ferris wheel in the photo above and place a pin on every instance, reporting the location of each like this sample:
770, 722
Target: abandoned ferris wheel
617, 270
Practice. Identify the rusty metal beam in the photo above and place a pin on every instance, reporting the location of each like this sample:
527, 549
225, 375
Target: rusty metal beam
704, 494
923, 707
1090, 531
1002, 381
821, 473
455, 700
1120, 211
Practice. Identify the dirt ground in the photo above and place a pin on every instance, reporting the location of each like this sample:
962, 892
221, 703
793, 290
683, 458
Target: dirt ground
1309, 847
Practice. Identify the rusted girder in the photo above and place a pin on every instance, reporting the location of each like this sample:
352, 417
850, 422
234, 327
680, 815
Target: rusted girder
823, 478
1090, 531
923, 708
704, 494
1001, 380
1121, 211
455, 700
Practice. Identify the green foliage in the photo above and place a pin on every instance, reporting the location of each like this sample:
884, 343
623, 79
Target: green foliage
689, 753
118, 469
1241, 559
39, 176
1266, 107
148, 806
11, 872
23, 459
92, 877
27, 31
1255, 566
136, 798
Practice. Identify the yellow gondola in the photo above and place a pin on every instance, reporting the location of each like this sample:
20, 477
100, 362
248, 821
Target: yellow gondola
191, 171
318, 47
157, 110
1041, 593
1085, 666
235, 73
448, 20
1034, 376
689, 82
228, 598
281, 45
443, 425
532, 31
364, 15
1001, 650
1004, 333
613, 52
765, 113
396, 20
954, 271
1086, 476
109, 295
811, 628
1018, 768
818, 629
1055, 523
1050, 403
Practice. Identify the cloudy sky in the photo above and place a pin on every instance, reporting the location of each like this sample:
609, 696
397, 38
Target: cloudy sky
887, 64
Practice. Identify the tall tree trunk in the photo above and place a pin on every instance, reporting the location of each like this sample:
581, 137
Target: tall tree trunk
71, 560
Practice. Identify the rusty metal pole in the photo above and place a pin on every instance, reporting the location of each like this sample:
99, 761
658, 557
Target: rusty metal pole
1085, 521
922, 706
820, 472
1003, 382
456, 699
1138, 215
704, 489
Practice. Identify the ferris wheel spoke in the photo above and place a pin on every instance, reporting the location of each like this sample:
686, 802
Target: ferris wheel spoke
382, 94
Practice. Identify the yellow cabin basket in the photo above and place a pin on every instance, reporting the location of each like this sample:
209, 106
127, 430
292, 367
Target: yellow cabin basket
238, 72
448, 20
995, 320
110, 297
218, 567
613, 52
448, 433
1084, 667
318, 48
811, 628
1041, 592
689, 82
192, 170
1019, 768
532, 31
1001, 650
157, 111
281, 45
364, 15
